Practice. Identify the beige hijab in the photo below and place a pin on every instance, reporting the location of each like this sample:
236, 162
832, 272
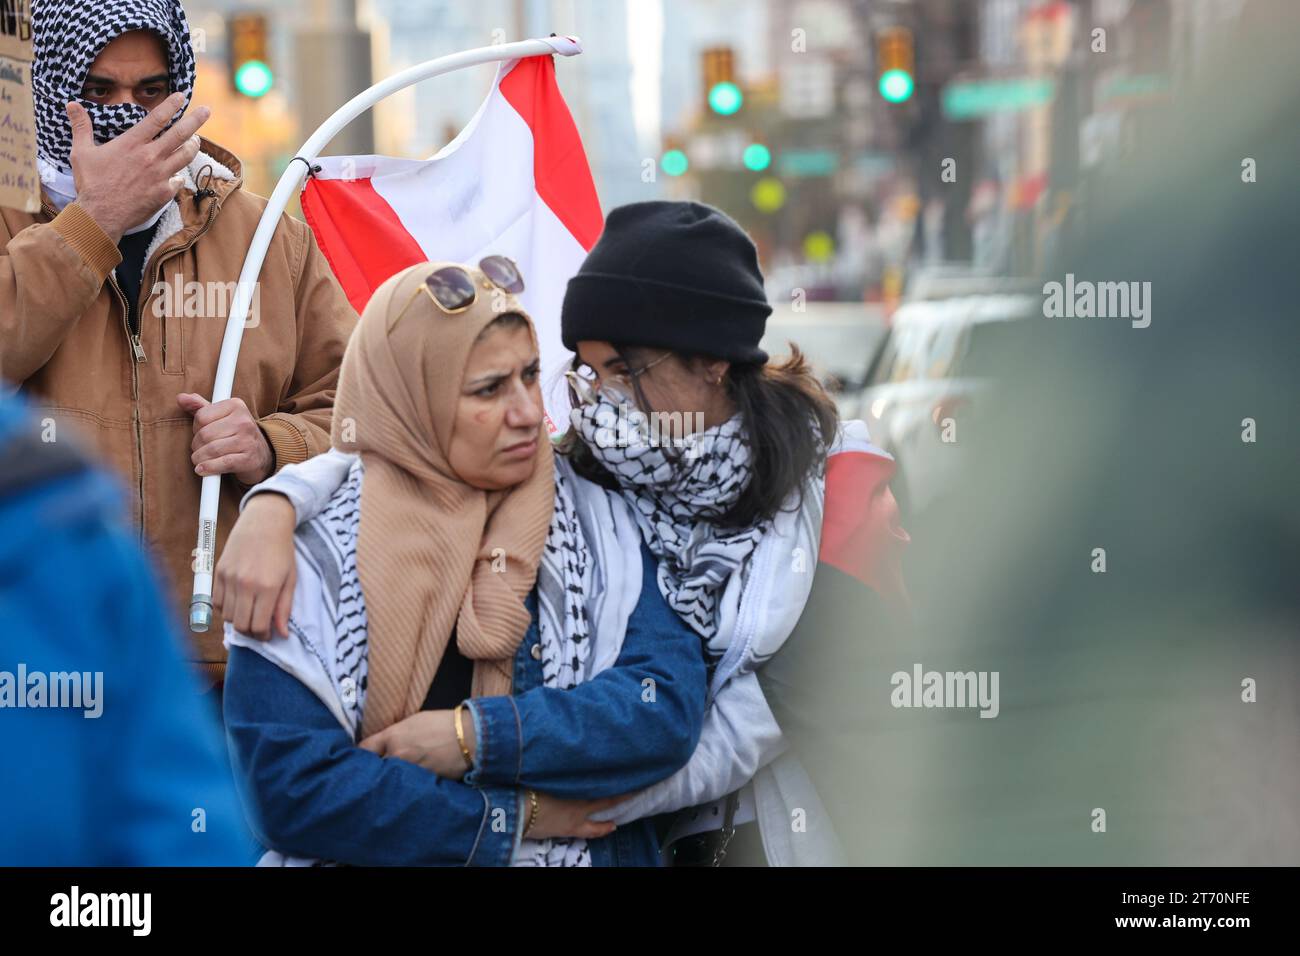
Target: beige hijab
427, 541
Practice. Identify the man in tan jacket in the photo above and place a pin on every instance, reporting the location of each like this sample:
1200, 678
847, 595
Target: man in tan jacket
114, 298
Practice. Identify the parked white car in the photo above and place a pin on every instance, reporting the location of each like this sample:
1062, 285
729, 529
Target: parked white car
925, 380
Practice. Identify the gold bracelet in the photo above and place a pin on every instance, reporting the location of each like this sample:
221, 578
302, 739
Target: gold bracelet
532, 812
460, 736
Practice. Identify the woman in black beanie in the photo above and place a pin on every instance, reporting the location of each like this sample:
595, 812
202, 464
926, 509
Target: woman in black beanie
680, 281
732, 464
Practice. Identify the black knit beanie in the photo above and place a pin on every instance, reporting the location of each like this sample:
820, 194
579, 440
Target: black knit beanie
672, 275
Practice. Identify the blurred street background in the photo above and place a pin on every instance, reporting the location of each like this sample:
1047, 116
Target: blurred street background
914, 174
905, 166
774, 110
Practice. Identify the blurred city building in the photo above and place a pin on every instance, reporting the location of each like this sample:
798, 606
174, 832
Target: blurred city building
974, 153
1009, 109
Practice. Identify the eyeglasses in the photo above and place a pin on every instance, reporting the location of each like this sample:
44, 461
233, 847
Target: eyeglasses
453, 289
586, 384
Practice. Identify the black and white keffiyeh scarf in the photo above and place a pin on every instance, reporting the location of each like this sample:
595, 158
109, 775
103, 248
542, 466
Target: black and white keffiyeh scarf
329, 543
564, 583
583, 576
674, 491
68, 35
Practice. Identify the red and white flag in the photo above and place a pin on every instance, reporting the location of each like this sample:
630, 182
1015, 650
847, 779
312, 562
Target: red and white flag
515, 182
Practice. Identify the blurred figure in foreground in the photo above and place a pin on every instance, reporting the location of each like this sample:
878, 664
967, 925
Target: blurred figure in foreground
1122, 552
112, 757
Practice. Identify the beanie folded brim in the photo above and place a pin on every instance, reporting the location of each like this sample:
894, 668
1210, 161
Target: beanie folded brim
628, 311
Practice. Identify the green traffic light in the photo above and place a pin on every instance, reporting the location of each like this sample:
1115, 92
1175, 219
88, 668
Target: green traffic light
757, 157
896, 85
674, 162
725, 98
254, 78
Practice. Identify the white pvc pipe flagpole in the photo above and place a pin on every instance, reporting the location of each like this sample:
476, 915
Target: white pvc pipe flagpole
290, 181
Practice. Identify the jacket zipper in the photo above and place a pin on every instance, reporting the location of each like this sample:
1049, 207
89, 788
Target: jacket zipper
140, 357
133, 335
135, 398
137, 350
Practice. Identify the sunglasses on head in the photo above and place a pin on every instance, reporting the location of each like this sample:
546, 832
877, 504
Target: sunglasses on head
453, 289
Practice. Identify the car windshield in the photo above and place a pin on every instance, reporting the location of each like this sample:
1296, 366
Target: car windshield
943, 350
898, 356
970, 339
917, 350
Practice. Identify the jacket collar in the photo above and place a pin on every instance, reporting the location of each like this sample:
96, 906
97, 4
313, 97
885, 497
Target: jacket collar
209, 180
223, 175
228, 171
216, 171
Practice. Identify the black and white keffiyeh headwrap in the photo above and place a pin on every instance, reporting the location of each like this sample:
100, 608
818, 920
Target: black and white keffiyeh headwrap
673, 491
68, 35
564, 582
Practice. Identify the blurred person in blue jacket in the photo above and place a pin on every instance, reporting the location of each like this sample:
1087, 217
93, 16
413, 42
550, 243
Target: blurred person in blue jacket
111, 756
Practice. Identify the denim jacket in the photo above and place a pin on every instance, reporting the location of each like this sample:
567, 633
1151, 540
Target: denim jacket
310, 791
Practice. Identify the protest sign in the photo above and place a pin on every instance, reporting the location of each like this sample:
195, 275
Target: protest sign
20, 183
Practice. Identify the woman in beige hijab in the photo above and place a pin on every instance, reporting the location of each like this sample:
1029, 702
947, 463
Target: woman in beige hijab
461, 661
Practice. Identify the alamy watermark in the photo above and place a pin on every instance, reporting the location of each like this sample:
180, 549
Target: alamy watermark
633, 428
75, 908
78, 690
923, 688
205, 300
1083, 299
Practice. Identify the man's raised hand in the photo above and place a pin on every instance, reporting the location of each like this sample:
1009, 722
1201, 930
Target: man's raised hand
124, 182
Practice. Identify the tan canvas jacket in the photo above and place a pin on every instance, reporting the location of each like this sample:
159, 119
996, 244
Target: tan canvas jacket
65, 342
